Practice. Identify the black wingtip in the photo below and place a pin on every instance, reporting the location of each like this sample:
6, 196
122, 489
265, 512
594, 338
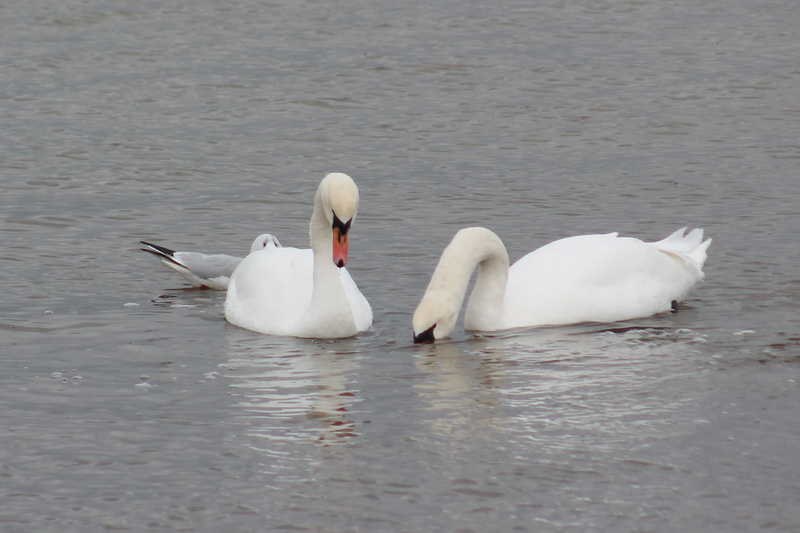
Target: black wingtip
163, 250
425, 337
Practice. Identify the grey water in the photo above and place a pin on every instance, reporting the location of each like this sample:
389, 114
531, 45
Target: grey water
128, 404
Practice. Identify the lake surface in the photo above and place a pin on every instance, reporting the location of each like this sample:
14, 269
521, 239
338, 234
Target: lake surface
128, 404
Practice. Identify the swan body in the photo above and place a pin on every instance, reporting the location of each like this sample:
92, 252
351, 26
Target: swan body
586, 278
206, 270
304, 293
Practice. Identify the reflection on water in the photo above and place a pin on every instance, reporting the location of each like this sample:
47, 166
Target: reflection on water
292, 391
598, 391
461, 396
185, 297
582, 388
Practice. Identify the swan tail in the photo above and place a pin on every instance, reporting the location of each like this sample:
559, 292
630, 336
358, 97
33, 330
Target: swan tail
699, 253
688, 246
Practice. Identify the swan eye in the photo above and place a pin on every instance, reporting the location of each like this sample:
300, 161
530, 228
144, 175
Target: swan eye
426, 336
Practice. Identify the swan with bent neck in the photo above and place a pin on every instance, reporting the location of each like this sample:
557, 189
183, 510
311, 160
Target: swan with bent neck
305, 293
586, 278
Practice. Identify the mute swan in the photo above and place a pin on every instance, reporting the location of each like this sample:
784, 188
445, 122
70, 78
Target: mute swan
587, 278
206, 270
305, 293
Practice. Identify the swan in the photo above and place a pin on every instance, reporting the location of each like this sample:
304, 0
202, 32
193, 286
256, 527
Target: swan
304, 293
586, 278
206, 270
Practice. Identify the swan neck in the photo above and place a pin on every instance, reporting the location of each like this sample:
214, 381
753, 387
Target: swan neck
473, 248
319, 229
328, 306
486, 306
321, 236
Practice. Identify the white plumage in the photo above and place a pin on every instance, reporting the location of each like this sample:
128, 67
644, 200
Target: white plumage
272, 290
587, 278
304, 293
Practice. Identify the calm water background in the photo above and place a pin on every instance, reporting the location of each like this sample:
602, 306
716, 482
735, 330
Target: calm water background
128, 404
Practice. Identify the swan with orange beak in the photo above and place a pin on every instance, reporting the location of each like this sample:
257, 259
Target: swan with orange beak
305, 293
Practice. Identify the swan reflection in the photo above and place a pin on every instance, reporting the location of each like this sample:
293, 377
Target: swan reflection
461, 397
293, 390
565, 387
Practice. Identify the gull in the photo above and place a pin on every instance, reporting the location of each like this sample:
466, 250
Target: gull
207, 270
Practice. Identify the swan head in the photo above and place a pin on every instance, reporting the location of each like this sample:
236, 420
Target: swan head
265, 240
338, 197
435, 317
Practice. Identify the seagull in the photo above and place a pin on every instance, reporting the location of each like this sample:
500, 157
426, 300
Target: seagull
207, 270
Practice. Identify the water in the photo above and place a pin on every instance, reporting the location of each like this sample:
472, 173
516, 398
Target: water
128, 404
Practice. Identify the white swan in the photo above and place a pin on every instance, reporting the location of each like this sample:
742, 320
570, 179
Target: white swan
206, 270
587, 278
305, 293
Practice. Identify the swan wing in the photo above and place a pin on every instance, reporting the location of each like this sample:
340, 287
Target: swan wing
599, 278
270, 290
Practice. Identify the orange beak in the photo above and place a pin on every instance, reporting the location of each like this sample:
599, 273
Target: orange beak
339, 247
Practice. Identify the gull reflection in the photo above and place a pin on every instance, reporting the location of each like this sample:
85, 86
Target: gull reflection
292, 390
